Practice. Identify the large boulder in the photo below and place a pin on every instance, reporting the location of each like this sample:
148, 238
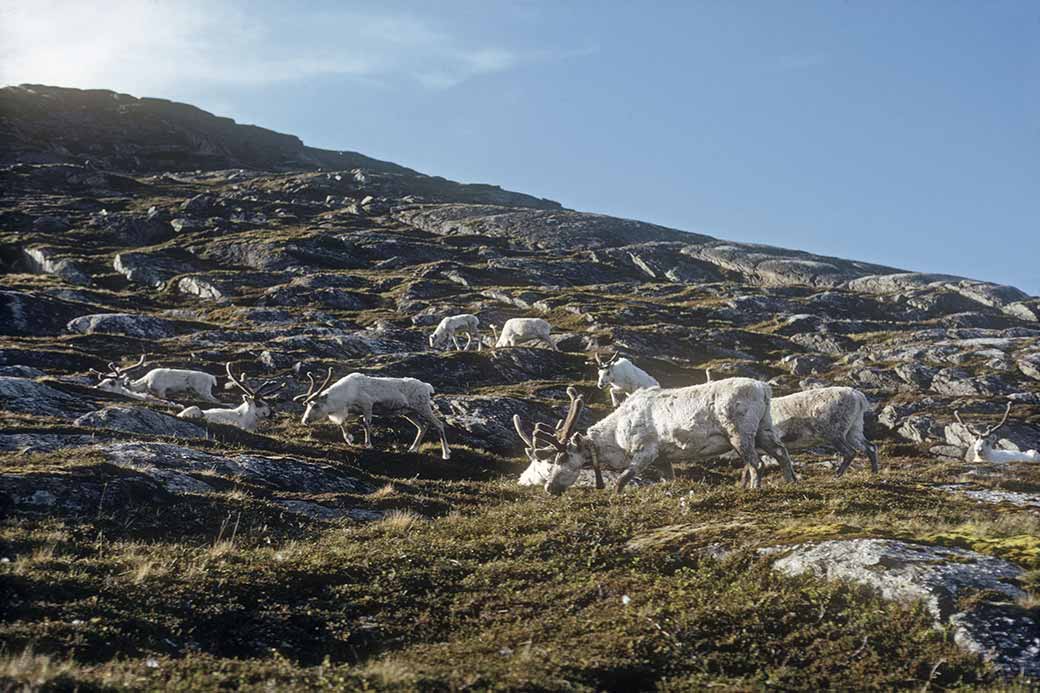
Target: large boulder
126, 324
24, 313
154, 268
141, 420
181, 469
52, 261
30, 397
131, 229
990, 624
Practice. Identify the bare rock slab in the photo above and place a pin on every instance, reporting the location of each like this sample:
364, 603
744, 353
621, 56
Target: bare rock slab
994, 626
184, 470
30, 397
141, 420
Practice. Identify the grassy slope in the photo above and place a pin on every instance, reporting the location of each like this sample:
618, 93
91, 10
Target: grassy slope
517, 590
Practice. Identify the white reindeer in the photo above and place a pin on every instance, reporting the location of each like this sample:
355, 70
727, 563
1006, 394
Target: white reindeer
520, 331
248, 415
363, 395
825, 416
659, 425
159, 382
450, 327
983, 450
621, 377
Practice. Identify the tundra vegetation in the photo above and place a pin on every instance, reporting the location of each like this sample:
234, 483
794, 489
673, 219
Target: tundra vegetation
142, 550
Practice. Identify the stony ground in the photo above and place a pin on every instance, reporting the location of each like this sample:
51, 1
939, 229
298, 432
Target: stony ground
139, 550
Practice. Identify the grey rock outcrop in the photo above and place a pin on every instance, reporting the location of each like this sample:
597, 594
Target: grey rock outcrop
30, 397
141, 420
127, 324
184, 470
995, 627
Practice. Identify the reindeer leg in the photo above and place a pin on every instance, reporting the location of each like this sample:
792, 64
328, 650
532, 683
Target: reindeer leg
455, 341
745, 447
766, 439
873, 456
848, 454
421, 428
640, 461
469, 340
366, 418
347, 438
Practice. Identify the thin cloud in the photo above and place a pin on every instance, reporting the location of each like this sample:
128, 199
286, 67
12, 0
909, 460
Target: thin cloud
142, 46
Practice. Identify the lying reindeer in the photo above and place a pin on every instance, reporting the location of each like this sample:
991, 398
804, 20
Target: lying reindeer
248, 415
983, 450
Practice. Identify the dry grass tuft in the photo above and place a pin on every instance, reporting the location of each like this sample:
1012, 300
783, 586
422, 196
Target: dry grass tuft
29, 671
386, 491
399, 521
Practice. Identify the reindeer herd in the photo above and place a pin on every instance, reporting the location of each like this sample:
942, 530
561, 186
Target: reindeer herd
649, 427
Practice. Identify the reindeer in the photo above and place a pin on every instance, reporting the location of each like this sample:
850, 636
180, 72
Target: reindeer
520, 331
255, 406
540, 468
450, 327
362, 394
983, 450
655, 426
158, 382
620, 377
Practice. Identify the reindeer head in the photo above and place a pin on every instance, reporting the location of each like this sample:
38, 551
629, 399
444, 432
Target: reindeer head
604, 369
314, 399
984, 439
116, 380
256, 398
568, 452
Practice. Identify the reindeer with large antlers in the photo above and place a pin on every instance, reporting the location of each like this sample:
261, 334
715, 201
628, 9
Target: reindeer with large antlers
620, 377
363, 395
982, 449
158, 382
541, 454
660, 425
255, 406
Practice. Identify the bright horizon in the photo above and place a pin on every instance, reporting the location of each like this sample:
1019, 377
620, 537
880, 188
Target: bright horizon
905, 135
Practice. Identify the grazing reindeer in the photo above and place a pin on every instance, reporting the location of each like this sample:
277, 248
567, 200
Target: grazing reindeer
520, 331
450, 327
982, 449
621, 377
158, 382
826, 415
540, 468
254, 408
657, 425
358, 394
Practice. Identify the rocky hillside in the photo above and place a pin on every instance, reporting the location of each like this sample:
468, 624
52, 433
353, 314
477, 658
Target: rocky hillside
140, 549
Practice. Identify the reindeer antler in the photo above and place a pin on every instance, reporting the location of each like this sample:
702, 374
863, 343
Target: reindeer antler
957, 415
313, 391
262, 393
117, 371
986, 432
564, 429
240, 384
994, 429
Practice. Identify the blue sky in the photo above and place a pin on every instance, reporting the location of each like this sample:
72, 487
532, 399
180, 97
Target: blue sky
901, 133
